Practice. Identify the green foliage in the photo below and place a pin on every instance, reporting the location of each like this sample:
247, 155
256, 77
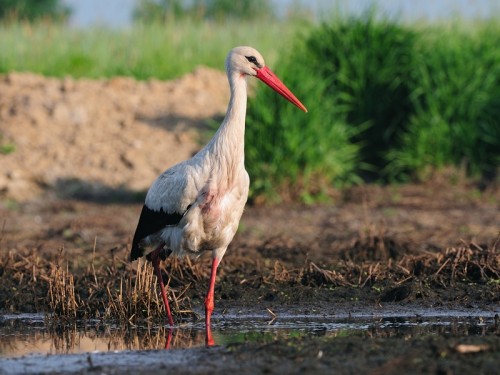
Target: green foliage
295, 155
162, 51
238, 9
368, 66
148, 11
33, 9
456, 96
394, 101
355, 77
5, 147
220, 10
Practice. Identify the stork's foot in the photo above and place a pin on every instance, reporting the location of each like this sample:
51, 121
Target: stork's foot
169, 338
209, 307
209, 340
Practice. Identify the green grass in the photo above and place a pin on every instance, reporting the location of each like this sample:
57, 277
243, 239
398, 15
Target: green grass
367, 64
6, 147
143, 51
293, 155
456, 101
388, 102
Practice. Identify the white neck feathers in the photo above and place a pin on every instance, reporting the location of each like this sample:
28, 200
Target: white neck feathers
228, 143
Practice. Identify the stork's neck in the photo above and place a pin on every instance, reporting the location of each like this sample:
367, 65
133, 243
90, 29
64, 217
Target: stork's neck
228, 144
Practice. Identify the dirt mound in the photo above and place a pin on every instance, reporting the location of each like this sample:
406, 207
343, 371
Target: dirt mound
110, 134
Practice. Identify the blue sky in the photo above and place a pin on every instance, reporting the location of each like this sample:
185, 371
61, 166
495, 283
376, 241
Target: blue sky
117, 13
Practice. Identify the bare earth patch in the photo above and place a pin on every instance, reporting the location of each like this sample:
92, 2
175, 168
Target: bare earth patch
84, 134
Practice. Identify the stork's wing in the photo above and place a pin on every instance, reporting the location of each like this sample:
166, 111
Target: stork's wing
176, 188
167, 201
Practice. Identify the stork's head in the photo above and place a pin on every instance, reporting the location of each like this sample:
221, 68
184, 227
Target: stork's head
248, 61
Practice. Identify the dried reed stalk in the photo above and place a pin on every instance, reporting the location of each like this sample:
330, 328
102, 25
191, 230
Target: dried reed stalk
62, 297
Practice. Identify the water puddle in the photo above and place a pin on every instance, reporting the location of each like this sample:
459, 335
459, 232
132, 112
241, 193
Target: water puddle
28, 333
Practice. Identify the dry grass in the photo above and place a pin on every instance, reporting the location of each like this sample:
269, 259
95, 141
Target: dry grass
468, 262
62, 298
118, 292
381, 259
134, 298
128, 293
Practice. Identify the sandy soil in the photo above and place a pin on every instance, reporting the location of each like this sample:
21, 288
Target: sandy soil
86, 135
85, 153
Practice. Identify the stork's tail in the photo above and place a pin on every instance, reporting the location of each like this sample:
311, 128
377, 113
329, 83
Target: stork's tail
136, 252
150, 223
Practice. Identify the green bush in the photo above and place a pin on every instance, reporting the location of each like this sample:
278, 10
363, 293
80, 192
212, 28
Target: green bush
296, 155
354, 76
387, 102
148, 11
33, 9
368, 66
456, 96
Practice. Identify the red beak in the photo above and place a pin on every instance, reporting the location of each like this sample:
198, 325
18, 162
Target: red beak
269, 78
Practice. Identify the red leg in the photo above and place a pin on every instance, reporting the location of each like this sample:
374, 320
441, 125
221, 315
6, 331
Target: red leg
156, 264
209, 304
169, 338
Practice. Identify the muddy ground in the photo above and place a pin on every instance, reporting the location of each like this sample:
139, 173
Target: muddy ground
68, 213
380, 248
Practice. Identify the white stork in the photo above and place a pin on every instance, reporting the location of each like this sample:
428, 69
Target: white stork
196, 205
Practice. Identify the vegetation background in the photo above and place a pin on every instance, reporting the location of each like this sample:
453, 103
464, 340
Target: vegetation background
388, 101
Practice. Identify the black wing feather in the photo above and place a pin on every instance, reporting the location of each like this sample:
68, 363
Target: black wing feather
151, 222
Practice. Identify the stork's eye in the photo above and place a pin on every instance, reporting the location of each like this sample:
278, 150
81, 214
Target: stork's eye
252, 59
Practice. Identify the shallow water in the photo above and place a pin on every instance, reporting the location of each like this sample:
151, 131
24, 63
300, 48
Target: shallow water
28, 334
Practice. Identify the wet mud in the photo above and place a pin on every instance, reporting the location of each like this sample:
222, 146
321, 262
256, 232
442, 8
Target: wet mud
291, 341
